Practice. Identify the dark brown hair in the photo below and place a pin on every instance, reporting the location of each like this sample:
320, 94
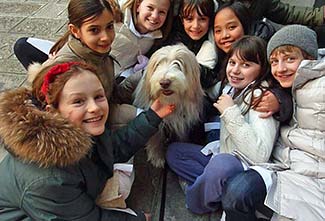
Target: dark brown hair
253, 49
203, 8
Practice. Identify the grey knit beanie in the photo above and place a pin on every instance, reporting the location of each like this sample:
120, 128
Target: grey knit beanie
295, 35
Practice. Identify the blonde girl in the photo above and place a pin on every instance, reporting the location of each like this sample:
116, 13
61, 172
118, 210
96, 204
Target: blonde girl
60, 152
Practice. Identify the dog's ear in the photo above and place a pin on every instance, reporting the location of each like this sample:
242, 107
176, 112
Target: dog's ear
192, 67
140, 95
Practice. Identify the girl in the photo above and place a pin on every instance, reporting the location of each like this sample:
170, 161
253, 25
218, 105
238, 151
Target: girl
245, 139
145, 22
193, 28
297, 190
231, 22
59, 152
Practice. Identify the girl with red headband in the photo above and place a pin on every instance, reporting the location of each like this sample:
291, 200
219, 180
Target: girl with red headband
59, 152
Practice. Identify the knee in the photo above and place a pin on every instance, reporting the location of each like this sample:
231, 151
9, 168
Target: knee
243, 192
223, 166
20, 45
234, 195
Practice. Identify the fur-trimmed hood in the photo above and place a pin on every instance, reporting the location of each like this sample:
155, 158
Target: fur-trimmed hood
32, 135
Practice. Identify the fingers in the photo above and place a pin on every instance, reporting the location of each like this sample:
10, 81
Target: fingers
265, 114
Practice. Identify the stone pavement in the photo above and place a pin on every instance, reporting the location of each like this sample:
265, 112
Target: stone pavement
19, 18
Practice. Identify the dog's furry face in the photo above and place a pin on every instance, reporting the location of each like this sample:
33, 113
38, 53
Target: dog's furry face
173, 76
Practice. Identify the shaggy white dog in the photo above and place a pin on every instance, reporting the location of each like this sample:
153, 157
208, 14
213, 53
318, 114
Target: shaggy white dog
173, 76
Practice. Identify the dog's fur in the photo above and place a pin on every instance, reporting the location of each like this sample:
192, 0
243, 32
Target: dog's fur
173, 76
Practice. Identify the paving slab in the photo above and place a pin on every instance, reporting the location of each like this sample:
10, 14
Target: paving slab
12, 66
8, 81
21, 9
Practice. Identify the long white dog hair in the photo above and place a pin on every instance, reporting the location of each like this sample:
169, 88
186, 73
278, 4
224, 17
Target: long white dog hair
173, 76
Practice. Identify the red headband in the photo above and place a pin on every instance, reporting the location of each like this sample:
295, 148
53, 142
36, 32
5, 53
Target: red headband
50, 75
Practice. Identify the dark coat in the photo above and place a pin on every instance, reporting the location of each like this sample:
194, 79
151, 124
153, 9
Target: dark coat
284, 13
53, 170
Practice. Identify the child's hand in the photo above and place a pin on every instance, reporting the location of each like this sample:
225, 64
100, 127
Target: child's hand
162, 110
142, 63
223, 102
268, 105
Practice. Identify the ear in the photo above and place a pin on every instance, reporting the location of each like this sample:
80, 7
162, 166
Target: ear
74, 30
137, 4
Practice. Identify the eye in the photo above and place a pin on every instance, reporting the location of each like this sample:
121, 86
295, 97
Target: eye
231, 62
291, 59
246, 65
100, 97
204, 18
94, 30
78, 101
162, 13
150, 8
232, 27
273, 62
110, 27
188, 18
217, 31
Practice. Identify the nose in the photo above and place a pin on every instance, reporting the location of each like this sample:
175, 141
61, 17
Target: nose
93, 106
155, 14
282, 66
235, 69
105, 36
195, 23
225, 34
165, 83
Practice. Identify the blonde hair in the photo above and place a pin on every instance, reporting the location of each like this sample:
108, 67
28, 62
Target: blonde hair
289, 49
167, 26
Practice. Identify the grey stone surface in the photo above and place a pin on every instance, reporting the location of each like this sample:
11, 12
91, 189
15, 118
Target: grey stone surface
8, 81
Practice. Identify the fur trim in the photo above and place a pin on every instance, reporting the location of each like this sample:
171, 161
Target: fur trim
33, 71
37, 136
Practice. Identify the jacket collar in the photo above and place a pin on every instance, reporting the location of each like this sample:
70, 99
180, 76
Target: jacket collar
84, 52
36, 136
308, 70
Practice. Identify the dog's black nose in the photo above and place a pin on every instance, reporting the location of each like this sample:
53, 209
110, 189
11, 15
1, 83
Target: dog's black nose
165, 83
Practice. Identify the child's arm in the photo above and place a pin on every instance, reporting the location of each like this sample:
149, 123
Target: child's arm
128, 140
253, 137
65, 199
276, 102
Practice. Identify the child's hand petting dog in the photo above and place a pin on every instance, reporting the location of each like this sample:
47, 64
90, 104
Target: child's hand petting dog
162, 110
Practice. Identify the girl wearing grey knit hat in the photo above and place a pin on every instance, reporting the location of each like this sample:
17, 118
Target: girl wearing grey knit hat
296, 169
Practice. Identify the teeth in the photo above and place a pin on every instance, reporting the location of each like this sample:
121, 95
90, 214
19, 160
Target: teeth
93, 119
236, 78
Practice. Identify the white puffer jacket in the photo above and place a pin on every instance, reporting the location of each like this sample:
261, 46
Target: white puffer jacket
299, 192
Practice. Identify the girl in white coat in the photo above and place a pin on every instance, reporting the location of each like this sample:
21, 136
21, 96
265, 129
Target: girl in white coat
245, 140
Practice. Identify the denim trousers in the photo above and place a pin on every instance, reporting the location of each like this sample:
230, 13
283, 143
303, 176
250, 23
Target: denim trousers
205, 177
243, 194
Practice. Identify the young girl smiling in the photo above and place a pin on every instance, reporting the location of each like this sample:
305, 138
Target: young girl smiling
60, 153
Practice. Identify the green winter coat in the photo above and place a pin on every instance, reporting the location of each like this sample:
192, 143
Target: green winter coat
53, 170
283, 13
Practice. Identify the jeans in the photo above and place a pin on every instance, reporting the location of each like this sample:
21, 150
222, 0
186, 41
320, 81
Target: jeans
243, 195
